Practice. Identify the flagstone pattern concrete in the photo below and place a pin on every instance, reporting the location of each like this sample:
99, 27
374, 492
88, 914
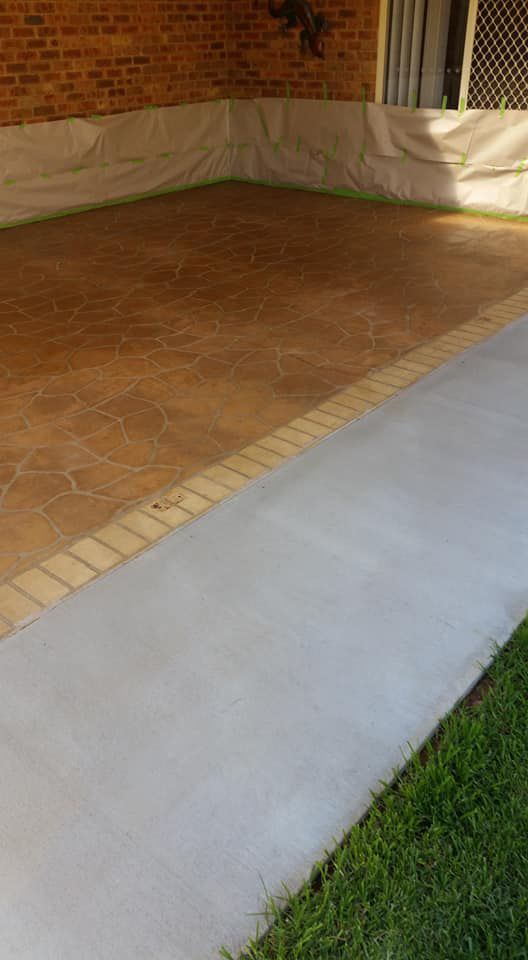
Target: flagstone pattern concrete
141, 344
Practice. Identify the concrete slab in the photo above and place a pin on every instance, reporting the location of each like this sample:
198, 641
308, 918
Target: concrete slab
254, 243
213, 714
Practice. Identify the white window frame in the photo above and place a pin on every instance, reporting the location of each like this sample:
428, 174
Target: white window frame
468, 49
383, 49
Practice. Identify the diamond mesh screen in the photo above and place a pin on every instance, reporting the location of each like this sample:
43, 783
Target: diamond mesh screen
499, 66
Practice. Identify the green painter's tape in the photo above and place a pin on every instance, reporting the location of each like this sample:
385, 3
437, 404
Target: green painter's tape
136, 160
133, 198
242, 146
444, 103
335, 145
288, 90
298, 145
463, 160
45, 176
379, 198
262, 119
502, 110
363, 99
324, 178
325, 90
151, 106
9, 182
414, 100
165, 156
231, 104
404, 156
336, 191
78, 169
362, 153
462, 106
99, 116
277, 145
521, 168
208, 149
105, 164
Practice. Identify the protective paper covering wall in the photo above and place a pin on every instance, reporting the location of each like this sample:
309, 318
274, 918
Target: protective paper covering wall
476, 159
47, 168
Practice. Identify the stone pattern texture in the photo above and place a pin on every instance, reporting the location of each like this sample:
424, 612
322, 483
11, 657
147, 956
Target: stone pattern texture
141, 343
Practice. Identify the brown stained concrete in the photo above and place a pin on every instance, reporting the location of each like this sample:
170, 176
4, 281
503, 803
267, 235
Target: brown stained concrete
140, 343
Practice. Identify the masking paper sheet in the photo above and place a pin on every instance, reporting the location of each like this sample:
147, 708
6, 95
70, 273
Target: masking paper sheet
472, 159
48, 168
476, 159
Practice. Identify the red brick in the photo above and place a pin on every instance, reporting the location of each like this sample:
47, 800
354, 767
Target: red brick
171, 51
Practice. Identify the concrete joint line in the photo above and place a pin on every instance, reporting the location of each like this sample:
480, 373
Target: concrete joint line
26, 596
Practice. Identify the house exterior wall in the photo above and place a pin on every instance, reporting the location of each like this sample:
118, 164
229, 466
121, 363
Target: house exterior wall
262, 60
63, 58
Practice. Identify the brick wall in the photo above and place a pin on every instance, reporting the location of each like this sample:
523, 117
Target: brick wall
76, 57
262, 61
65, 58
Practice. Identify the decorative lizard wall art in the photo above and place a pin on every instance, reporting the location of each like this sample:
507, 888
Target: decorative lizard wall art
300, 13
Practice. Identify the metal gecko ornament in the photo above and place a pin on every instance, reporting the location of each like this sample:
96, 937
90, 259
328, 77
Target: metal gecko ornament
300, 13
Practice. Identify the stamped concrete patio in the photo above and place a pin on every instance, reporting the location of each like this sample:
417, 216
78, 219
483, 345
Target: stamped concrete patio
208, 718
140, 343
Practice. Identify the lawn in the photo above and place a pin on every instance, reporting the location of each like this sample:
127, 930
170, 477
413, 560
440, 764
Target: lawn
438, 870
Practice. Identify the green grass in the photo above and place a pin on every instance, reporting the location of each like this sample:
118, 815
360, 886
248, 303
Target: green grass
438, 870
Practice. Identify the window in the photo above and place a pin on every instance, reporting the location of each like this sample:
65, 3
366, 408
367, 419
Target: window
424, 56
499, 64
